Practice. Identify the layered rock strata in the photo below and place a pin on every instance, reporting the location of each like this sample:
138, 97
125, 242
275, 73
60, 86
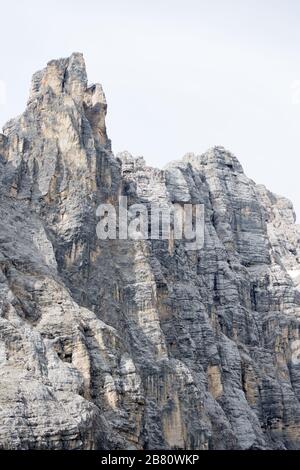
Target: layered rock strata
123, 344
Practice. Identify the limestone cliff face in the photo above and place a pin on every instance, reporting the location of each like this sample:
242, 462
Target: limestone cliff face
138, 344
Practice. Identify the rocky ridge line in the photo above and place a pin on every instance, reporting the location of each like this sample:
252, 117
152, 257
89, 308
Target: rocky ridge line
121, 344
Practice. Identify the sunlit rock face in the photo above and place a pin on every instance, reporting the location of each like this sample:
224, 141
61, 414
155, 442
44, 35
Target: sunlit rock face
122, 344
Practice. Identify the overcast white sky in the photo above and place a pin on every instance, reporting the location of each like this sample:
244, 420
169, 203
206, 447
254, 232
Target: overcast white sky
179, 76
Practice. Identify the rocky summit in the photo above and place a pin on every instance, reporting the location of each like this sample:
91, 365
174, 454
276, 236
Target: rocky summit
139, 344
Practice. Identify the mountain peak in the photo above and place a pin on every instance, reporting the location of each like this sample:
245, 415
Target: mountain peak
120, 343
61, 75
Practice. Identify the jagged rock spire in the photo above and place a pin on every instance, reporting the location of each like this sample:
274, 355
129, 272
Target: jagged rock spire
62, 75
122, 344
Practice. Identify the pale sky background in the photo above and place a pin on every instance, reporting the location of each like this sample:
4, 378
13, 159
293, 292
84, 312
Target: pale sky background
179, 76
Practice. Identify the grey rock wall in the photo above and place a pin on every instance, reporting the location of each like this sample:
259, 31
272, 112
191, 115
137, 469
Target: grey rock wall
121, 344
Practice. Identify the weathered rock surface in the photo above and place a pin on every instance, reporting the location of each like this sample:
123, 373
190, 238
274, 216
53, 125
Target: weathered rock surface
118, 344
